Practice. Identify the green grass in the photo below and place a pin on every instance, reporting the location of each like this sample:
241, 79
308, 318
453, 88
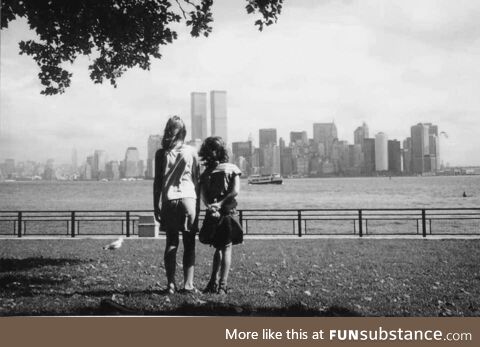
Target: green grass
310, 277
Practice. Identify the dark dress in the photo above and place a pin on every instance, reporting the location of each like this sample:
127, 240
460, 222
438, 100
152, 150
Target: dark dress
225, 229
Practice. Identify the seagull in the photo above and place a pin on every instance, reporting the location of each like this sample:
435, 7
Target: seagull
115, 244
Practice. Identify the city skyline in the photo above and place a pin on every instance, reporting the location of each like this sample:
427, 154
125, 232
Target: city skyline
419, 154
386, 64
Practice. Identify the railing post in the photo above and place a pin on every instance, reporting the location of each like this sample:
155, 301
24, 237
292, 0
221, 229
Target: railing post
128, 224
424, 224
299, 214
240, 217
360, 223
72, 224
20, 224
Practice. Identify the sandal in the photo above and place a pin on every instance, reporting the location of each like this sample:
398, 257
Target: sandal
222, 290
189, 291
211, 288
169, 290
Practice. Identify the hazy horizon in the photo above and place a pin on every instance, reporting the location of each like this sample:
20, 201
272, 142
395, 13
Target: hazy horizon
390, 65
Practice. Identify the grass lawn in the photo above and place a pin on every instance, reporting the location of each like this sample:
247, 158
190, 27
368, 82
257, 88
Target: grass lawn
304, 277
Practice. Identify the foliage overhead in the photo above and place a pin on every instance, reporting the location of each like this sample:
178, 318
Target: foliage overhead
120, 34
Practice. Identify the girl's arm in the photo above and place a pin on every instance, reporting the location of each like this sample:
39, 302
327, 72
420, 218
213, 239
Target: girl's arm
231, 194
157, 184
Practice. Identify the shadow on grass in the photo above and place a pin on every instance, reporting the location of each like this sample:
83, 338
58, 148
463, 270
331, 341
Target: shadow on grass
7, 265
110, 307
21, 285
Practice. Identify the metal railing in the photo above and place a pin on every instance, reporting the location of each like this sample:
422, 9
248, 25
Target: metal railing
360, 222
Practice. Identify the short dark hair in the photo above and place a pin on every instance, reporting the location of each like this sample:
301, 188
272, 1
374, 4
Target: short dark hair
213, 151
175, 131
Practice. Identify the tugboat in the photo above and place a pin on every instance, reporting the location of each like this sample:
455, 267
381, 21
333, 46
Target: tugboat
265, 179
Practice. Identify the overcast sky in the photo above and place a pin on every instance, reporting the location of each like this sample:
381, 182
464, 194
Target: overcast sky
390, 64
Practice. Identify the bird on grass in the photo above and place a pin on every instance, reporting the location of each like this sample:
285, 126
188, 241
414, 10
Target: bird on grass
114, 245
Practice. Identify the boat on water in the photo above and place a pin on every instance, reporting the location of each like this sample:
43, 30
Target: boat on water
265, 179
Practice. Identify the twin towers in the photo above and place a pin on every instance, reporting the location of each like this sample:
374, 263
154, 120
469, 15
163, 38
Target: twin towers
218, 115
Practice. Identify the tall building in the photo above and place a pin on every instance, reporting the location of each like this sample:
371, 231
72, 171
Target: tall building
140, 169
420, 147
9, 167
325, 133
49, 172
286, 162
197, 144
267, 137
407, 155
394, 157
355, 159
131, 162
434, 151
360, 134
298, 138
368, 150
154, 143
99, 164
381, 152
198, 103
433, 147
74, 160
340, 156
271, 157
218, 110
243, 150
113, 170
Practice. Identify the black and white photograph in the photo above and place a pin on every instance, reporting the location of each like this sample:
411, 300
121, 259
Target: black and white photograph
254, 158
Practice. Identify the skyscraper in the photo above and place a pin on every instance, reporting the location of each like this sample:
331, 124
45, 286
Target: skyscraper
199, 115
381, 152
271, 159
74, 160
49, 172
9, 167
369, 156
298, 138
355, 159
99, 164
243, 150
218, 110
360, 134
407, 155
420, 147
113, 170
325, 133
267, 137
434, 147
131, 162
394, 157
154, 143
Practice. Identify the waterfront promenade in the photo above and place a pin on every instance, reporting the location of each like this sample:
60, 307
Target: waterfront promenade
259, 223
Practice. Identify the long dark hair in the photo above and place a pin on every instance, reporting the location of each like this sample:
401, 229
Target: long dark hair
213, 151
175, 131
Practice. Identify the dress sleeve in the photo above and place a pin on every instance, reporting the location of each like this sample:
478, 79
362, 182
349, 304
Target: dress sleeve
236, 171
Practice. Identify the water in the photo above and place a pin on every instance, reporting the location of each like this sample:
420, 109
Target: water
364, 192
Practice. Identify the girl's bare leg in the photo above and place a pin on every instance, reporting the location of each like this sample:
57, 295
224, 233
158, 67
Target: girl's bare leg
225, 267
188, 259
170, 261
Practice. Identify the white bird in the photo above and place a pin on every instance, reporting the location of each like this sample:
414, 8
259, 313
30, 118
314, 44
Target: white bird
115, 244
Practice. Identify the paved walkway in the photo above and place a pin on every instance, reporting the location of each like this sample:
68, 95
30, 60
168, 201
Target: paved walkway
253, 237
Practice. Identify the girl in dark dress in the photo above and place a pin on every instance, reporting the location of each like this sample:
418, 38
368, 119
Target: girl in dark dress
219, 185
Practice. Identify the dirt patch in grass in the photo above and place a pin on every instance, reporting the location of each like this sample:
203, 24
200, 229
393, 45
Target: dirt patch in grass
315, 277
